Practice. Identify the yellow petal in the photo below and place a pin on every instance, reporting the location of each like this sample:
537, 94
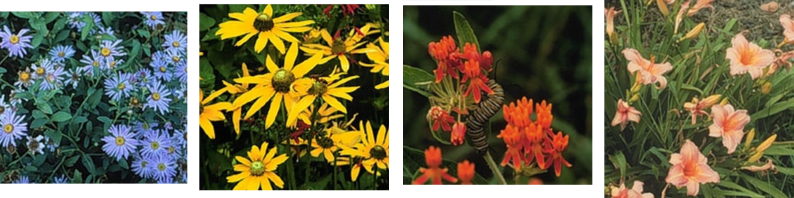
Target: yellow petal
329, 156
262, 79
242, 185
384, 45
276, 41
284, 35
341, 92
271, 66
267, 93
304, 103
316, 152
343, 81
265, 182
355, 172
293, 24
295, 29
206, 125
276, 179
241, 168
381, 135
327, 37
243, 160
370, 136
273, 164
254, 183
274, 107
270, 154
327, 58
335, 103
236, 119
306, 66
247, 97
214, 95
343, 61
238, 177
245, 38
286, 17
382, 85
386, 141
261, 42
269, 10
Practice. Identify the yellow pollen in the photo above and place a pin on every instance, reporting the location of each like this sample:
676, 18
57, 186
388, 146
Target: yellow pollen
105, 51
175, 44
176, 58
119, 140
121, 86
40, 71
155, 96
162, 68
8, 128
61, 54
14, 39
24, 76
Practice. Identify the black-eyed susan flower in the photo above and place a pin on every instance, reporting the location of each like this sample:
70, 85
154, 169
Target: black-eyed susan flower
328, 144
258, 171
275, 84
339, 48
310, 89
237, 89
379, 55
211, 113
374, 150
267, 26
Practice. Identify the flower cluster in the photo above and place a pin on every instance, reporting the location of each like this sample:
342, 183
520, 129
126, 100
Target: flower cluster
435, 173
530, 140
473, 65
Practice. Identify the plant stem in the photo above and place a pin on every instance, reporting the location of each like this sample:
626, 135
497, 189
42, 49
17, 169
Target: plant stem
494, 168
336, 154
290, 166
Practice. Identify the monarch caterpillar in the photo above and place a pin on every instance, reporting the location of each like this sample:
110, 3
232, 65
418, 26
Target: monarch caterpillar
478, 118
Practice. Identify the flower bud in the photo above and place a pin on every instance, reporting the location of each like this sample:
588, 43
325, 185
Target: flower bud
749, 139
694, 32
766, 88
663, 7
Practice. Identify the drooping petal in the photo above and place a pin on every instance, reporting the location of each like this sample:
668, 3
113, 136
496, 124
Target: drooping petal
304, 67
276, 179
261, 42
206, 125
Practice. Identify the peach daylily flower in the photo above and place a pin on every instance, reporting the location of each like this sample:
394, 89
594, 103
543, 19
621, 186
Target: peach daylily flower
634, 192
700, 4
698, 107
610, 14
788, 26
625, 114
650, 71
728, 124
690, 169
748, 57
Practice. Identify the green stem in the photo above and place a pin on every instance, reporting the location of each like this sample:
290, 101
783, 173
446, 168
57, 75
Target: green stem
317, 102
336, 155
494, 168
291, 165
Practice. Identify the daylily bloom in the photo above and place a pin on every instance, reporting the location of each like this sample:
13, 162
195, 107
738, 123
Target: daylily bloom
700, 4
788, 27
625, 114
434, 171
690, 169
763, 168
465, 172
650, 71
611, 13
634, 192
728, 124
698, 107
748, 57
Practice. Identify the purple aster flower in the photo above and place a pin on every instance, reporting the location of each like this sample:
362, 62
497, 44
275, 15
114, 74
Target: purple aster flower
53, 77
143, 167
14, 100
92, 62
174, 57
35, 145
161, 70
72, 77
142, 77
40, 71
106, 30
4, 106
120, 143
110, 63
177, 41
118, 87
13, 128
159, 55
110, 48
15, 43
156, 143
181, 72
144, 128
158, 98
50, 143
61, 180
61, 53
24, 79
179, 138
153, 19
76, 20
23, 180
164, 168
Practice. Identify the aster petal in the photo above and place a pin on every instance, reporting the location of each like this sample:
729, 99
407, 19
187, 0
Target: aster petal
275, 105
261, 42
206, 125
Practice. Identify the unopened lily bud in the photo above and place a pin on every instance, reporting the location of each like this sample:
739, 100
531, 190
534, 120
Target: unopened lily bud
759, 152
694, 32
663, 7
724, 101
766, 88
749, 139
711, 100
634, 98
636, 87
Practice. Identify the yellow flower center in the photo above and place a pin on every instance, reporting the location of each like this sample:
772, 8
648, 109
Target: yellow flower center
162, 69
135, 101
175, 44
282, 79
121, 86
61, 54
153, 17
24, 76
175, 58
8, 128
112, 64
14, 39
155, 145
120, 140
50, 78
96, 63
155, 96
143, 164
161, 167
170, 150
325, 142
318, 88
263, 23
40, 71
257, 168
378, 152
338, 47
105, 51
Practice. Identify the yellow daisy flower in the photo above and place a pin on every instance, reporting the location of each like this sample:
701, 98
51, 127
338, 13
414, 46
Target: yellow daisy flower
380, 58
267, 26
374, 151
237, 89
324, 114
259, 170
211, 112
327, 144
310, 89
338, 48
275, 84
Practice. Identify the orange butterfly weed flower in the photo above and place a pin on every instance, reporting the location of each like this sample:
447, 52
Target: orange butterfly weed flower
517, 113
690, 169
470, 53
534, 145
624, 114
700, 4
558, 144
788, 27
441, 52
746, 57
465, 172
535, 181
434, 171
440, 118
543, 114
458, 133
651, 72
728, 124
515, 144
634, 192
477, 80
698, 107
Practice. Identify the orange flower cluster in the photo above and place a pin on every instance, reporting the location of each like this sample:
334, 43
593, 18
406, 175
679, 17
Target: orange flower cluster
473, 65
435, 173
529, 140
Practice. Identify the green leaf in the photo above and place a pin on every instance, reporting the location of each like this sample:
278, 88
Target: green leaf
136, 48
619, 160
105, 119
78, 177
764, 186
774, 109
31, 169
95, 96
38, 25
464, 31
61, 116
413, 78
108, 17
38, 122
778, 149
123, 164
785, 170
3, 71
24, 15
144, 33
51, 16
238, 7
89, 25
730, 184
38, 114
80, 119
88, 163
205, 22
37, 38
205, 72
61, 36
44, 107
56, 136
71, 160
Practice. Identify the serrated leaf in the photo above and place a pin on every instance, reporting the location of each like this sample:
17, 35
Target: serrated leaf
464, 31
413, 77
205, 22
61, 116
